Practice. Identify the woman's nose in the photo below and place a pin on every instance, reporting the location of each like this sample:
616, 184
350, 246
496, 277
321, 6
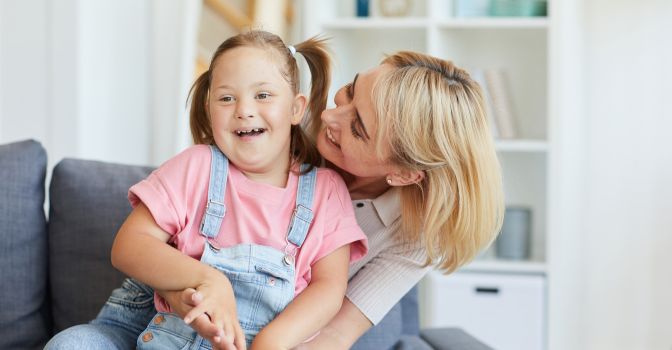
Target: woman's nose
340, 97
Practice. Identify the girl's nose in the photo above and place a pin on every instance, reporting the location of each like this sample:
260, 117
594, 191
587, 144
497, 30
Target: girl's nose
244, 109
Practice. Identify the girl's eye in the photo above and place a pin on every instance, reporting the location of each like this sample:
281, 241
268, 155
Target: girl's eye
354, 130
263, 95
226, 98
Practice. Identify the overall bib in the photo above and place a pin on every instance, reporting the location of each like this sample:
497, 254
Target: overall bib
262, 277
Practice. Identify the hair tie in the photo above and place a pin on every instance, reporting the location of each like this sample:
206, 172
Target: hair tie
292, 50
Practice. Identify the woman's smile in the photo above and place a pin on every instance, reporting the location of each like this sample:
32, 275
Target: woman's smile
331, 138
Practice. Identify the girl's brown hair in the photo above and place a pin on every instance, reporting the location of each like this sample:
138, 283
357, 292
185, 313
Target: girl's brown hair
315, 53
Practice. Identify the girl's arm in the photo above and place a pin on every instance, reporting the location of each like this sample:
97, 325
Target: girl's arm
140, 251
313, 308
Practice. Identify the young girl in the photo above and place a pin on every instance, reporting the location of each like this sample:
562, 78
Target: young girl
277, 233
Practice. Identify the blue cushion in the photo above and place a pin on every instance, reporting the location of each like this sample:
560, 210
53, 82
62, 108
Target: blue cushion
402, 319
88, 204
23, 246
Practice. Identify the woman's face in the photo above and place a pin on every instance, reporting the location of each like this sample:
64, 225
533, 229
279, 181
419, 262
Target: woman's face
348, 136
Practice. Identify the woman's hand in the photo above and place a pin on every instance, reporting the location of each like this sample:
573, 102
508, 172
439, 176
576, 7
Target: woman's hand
214, 300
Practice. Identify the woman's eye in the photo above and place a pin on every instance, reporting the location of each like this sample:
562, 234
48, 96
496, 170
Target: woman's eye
354, 130
263, 95
348, 90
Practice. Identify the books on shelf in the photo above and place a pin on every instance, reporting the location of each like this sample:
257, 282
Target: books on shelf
498, 106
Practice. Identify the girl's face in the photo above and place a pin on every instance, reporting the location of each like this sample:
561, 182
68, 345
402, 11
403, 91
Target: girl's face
348, 135
252, 109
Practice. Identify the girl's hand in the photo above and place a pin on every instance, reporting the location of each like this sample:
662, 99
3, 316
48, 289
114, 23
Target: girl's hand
181, 302
214, 300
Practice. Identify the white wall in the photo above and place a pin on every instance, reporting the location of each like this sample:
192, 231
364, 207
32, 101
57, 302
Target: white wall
24, 73
102, 80
628, 281
619, 238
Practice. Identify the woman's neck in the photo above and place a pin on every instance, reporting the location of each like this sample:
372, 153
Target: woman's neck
362, 187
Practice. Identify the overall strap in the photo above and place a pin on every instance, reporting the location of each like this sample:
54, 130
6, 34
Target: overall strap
303, 214
215, 209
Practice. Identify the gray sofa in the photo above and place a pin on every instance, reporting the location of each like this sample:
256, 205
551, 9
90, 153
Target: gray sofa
56, 273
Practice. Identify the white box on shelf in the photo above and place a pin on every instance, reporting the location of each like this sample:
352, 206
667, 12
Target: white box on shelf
505, 311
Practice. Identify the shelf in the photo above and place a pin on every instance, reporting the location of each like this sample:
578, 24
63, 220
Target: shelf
423, 22
494, 22
377, 23
521, 145
505, 266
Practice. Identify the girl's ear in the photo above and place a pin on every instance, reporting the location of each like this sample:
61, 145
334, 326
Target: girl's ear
403, 177
298, 108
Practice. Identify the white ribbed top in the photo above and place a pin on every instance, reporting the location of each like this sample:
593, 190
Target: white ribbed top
391, 268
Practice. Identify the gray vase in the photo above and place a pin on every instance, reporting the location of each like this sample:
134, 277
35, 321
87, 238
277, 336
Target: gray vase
513, 242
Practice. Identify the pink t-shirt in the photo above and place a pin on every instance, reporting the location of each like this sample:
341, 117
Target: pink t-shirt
256, 213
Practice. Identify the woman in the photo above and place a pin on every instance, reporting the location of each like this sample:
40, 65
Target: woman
411, 140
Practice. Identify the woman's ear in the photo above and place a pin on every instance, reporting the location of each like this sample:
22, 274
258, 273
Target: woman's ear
298, 108
403, 177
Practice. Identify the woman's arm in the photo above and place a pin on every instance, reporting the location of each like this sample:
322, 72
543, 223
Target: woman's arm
313, 308
342, 331
380, 282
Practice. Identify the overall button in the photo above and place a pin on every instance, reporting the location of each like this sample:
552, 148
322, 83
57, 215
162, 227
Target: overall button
271, 281
288, 260
147, 337
159, 319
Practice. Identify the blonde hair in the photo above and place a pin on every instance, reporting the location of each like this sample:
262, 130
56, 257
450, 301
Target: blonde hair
314, 51
432, 114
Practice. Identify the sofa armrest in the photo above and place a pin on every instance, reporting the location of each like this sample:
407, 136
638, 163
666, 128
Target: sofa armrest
451, 339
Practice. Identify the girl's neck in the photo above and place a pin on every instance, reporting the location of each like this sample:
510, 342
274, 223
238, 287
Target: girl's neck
277, 176
273, 179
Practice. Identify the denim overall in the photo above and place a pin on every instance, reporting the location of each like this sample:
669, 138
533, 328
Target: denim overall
262, 277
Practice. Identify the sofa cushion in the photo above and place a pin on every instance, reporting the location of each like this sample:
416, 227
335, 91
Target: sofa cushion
88, 204
23, 246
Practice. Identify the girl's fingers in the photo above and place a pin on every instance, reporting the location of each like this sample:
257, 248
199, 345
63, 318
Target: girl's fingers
229, 334
203, 326
191, 296
195, 312
196, 298
239, 339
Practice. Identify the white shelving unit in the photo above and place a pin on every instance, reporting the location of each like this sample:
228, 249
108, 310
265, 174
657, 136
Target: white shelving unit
518, 46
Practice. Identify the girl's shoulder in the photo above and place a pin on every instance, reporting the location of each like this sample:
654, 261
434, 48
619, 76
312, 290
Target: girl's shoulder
333, 188
192, 160
329, 177
196, 154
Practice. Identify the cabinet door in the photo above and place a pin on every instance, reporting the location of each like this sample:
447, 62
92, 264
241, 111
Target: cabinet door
506, 312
